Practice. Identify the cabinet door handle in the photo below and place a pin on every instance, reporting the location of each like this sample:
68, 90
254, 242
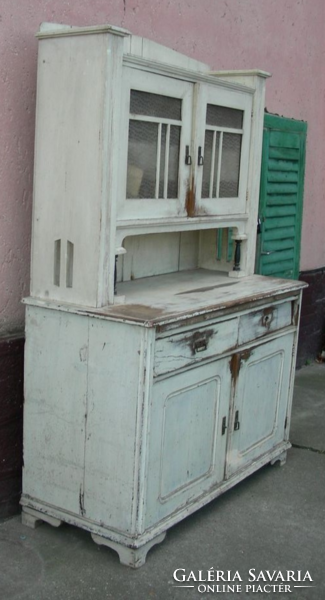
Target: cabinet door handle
237, 422
224, 426
200, 157
188, 158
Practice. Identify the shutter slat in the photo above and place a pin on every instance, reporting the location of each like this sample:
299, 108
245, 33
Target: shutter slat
282, 176
279, 233
281, 200
278, 267
281, 139
281, 222
278, 257
284, 244
282, 188
280, 211
283, 165
285, 153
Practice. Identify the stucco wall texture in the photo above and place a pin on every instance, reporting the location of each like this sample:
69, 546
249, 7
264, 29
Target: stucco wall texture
284, 37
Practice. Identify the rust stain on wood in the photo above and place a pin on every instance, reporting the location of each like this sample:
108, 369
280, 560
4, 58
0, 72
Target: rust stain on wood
236, 362
137, 311
190, 200
235, 367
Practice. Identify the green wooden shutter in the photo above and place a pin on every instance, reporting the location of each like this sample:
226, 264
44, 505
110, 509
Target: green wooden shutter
281, 197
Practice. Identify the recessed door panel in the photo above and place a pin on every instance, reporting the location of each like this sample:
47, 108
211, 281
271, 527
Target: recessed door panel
187, 441
261, 385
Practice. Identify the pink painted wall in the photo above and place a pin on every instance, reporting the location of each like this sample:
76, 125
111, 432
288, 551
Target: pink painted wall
285, 37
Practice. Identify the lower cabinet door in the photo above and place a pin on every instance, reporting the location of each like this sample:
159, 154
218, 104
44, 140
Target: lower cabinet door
187, 437
261, 380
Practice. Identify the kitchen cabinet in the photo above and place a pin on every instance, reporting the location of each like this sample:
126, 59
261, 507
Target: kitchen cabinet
157, 373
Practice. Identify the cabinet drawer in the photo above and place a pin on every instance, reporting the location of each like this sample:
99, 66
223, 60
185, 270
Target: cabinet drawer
190, 347
267, 320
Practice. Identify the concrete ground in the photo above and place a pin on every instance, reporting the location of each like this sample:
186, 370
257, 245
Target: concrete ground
274, 520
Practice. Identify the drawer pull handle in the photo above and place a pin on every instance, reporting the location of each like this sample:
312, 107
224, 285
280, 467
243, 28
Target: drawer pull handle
200, 344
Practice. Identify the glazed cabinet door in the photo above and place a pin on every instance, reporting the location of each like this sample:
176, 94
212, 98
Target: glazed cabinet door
187, 437
155, 146
222, 133
261, 381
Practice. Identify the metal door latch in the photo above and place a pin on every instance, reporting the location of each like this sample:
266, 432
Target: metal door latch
237, 422
188, 158
200, 158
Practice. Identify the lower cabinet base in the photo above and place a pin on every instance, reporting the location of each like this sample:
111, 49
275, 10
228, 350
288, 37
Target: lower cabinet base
133, 551
282, 459
131, 557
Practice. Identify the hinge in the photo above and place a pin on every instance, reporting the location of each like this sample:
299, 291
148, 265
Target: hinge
224, 426
286, 423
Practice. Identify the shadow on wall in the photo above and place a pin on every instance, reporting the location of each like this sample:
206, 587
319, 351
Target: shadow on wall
11, 424
312, 324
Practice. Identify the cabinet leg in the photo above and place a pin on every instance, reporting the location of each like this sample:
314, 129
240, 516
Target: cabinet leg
282, 459
33, 518
131, 557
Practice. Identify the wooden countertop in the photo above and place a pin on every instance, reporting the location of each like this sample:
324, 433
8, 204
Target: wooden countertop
180, 296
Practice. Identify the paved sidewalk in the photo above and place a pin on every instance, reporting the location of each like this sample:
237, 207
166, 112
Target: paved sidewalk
274, 520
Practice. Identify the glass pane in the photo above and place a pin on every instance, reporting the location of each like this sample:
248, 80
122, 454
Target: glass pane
142, 160
153, 105
162, 160
207, 165
222, 116
230, 163
173, 162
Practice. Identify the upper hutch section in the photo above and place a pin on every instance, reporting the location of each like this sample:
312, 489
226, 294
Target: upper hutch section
134, 140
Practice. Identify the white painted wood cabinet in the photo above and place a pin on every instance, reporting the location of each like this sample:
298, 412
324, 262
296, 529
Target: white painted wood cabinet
158, 374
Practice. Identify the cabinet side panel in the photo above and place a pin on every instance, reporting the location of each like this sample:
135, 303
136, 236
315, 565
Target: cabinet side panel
55, 407
115, 384
67, 180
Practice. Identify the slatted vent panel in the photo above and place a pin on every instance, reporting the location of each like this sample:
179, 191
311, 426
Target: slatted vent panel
281, 201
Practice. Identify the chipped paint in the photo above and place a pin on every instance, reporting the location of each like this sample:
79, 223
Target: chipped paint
81, 501
295, 312
83, 353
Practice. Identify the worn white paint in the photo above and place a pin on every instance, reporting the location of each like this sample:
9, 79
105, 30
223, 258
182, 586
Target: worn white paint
133, 400
125, 463
178, 350
81, 210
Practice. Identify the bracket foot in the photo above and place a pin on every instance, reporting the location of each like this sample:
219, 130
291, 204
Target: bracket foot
131, 557
33, 518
